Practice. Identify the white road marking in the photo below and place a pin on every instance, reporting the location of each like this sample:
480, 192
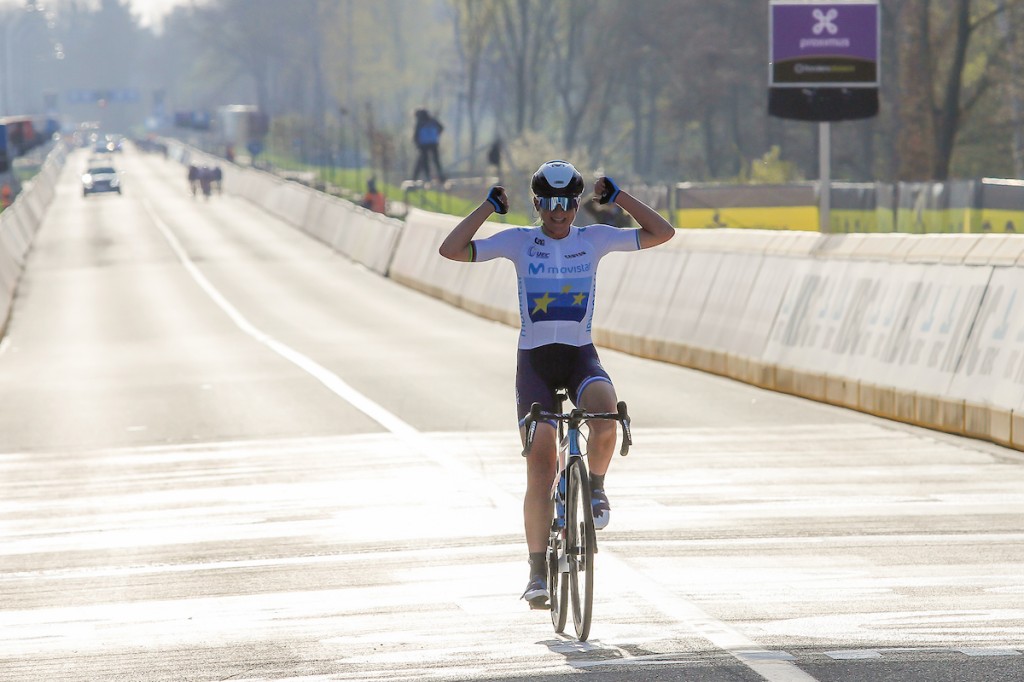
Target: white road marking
423, 555
832, 540
988, 652
766, 663
332, 381
864, 654
853, 654
774, 666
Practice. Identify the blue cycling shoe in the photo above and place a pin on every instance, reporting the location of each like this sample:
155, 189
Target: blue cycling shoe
537, 592
602, 510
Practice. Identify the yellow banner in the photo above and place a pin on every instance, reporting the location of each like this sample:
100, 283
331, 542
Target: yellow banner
751, 217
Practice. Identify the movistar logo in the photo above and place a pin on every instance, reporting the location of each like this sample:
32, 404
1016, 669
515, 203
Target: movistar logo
825, 20
536, 268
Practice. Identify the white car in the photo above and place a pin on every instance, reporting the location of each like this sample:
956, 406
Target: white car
100, 179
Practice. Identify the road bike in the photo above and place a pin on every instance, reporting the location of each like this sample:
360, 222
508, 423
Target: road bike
572, 542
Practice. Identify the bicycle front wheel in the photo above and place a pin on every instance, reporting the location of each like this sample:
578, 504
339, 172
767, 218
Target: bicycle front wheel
557, 585
580, 541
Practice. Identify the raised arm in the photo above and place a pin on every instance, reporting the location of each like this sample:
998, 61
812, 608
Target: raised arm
654, 229
456, 246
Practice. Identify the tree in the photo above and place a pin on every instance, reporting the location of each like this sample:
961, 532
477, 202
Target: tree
581, 68
472, 21
254, 39
916, 124
524, 40
946, 70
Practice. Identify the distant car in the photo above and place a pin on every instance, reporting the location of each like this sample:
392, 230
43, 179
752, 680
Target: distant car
100, 179
106, 144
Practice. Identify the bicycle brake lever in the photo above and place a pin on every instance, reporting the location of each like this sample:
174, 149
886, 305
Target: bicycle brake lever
627, 435
531, 428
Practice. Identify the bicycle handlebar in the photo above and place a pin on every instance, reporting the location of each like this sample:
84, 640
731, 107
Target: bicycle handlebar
539, 414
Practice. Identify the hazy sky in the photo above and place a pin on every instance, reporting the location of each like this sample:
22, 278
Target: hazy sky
150, 11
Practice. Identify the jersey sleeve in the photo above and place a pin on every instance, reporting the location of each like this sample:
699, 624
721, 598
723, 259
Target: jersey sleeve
503, 244
606, 238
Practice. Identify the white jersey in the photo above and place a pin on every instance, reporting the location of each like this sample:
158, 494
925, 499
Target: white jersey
557, 277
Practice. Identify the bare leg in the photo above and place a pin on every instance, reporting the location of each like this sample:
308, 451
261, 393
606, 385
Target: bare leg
540, 473
599, 396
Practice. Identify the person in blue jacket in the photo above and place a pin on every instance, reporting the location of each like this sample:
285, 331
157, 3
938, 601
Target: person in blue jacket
427, 136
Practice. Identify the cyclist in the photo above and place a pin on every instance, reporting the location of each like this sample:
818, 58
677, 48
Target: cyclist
556, 266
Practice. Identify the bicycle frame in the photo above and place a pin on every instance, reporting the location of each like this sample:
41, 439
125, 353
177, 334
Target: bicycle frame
568, 451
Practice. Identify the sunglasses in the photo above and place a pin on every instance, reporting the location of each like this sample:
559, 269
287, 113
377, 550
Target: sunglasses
549, 203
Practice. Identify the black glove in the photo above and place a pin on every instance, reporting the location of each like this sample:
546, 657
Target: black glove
611, 191
498, 200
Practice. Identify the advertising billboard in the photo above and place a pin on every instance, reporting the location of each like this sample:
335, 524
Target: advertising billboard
824, 44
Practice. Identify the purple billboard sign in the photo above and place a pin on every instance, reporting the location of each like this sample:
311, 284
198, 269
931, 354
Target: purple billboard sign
824, 44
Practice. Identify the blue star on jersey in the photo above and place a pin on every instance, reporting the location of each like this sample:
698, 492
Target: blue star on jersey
557, 299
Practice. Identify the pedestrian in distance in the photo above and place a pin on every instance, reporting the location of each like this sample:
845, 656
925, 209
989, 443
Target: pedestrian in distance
374, 198
427, 138
556, 263
206, 180
193, 178
494, 157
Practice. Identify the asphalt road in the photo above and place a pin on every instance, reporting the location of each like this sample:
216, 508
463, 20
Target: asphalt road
228, 453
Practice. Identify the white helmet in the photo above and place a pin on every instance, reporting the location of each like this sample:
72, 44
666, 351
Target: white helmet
557, 179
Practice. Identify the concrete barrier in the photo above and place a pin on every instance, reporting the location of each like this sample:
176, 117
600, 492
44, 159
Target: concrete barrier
16, 233
19, 223
289, 201
639, 289
326, 221
362, 236
10, 272
991, 370
924, 330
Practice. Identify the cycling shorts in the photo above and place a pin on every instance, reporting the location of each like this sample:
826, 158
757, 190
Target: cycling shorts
542, 370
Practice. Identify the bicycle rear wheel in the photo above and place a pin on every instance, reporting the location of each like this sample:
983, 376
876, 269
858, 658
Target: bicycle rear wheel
580, 543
